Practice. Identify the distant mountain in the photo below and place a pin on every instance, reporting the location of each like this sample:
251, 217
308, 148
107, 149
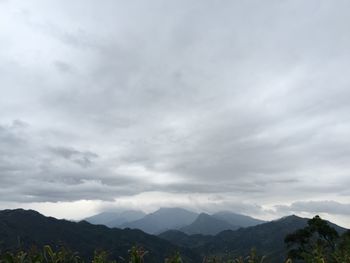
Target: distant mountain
102, 218
237, 219
267, 238
115, 219
125, 217
207, 225
26, 228
162, 220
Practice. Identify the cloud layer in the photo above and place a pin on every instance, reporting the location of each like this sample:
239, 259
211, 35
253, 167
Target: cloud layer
242, 101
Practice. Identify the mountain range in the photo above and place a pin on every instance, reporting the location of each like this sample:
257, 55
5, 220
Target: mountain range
115, 219
175, 219
24, 229
207, 225
267, 238
27, 228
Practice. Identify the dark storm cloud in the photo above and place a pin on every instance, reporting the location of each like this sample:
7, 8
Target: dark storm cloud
248, 100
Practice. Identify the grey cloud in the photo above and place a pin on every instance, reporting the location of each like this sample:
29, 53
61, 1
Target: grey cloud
84, 159
32, 173
244, 100
63, 66
326, 206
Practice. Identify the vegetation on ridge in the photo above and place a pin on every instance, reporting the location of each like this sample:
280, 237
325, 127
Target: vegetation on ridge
319, 242
311, 241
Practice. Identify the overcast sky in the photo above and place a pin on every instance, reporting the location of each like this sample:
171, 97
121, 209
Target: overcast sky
208, 105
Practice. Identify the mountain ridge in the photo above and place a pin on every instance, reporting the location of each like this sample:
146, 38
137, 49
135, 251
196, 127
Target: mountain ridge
234, 243
24, 229
207, 225
115, 219
163, 219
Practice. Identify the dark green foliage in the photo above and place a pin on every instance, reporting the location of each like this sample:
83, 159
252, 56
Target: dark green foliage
102, 257
47, 255
342, 251
319, 242
137, 255
313, 240
174, 259
252, 257
267, 238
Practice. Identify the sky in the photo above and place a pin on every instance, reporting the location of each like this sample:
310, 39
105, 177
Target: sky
208, 105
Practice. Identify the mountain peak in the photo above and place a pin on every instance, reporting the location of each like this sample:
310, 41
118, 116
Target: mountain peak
163, 219
171, 209
291, 217
207, 225
203, 215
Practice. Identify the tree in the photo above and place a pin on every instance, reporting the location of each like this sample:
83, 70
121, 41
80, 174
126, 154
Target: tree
317, 239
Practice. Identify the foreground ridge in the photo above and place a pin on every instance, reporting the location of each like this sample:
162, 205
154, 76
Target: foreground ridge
137, 255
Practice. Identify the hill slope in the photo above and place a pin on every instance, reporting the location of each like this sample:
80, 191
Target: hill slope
267, 238
181, 239
27, 228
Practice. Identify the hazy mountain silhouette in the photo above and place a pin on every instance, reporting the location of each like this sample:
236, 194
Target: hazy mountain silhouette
237, 219
163, 219
207, 225
115, 219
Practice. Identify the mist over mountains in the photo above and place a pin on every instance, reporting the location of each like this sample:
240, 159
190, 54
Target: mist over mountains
115, 219
175, 219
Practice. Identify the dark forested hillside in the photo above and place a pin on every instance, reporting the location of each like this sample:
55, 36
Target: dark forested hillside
182, 239
267, 238
23, 229
26, 228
